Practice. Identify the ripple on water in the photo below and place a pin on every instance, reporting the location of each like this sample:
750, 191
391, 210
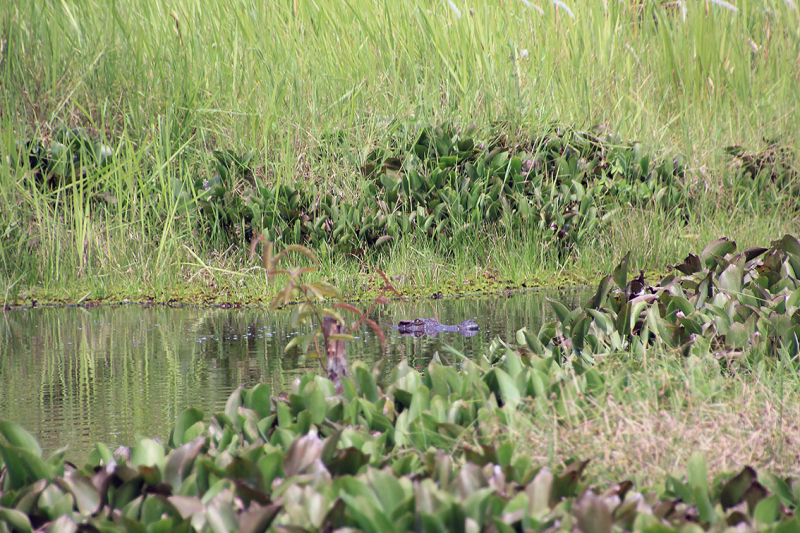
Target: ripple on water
76, 376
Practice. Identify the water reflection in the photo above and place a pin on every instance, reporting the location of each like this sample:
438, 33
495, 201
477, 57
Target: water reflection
77, 376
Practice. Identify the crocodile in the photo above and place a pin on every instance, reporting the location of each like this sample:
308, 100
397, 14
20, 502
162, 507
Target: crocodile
430, 326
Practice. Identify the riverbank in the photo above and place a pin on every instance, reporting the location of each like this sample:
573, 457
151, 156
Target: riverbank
141, 172
217, 281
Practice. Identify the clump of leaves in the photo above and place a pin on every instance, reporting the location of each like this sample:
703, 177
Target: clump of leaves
722, 303
769, 175
563, 184
777, 161
219, 198
71, 153
414, 453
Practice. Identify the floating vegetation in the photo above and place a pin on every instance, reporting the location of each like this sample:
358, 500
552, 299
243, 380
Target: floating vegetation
721, 303
371, 458
432, 451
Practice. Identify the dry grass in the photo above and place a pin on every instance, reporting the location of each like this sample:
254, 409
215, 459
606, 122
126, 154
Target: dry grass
645, 439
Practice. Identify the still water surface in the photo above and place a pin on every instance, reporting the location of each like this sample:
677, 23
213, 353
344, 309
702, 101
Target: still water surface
76, 376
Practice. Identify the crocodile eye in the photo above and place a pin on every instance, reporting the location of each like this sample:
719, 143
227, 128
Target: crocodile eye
419, 322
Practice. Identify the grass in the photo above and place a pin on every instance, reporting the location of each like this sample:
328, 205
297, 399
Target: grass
165, 83
660, 411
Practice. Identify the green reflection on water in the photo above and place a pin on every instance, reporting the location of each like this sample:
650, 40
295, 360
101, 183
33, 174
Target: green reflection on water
75, 376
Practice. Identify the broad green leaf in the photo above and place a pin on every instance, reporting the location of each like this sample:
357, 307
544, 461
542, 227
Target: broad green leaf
63, 524
186, 419
718, 248
233, 404
16, 435
704, 507
25, 464
271, 466
104, 453
368, 517
179, 462
221, 516
54, 502
767, 510
777, 486
789, 526
387, 487
509, 392
438, 380
316, 404
539, 491
259, 399
366, 383
147, 452
790, 245
731, 279
561, 311
87, 497
526, 337
602, 292
17, 520
621, 272
601, 320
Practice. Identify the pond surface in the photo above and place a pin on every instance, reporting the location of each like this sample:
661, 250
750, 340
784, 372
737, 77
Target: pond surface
76, 376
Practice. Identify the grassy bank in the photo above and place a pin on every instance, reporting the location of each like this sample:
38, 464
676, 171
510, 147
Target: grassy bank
313, 90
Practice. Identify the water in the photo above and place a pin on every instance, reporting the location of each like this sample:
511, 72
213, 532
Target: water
76, 376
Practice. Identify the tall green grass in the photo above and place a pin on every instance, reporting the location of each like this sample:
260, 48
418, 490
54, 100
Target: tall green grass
164, 83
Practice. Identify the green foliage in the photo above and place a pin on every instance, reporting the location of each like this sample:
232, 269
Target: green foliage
217, 198
769, 175
69, 154
723, 303
561, 184
322, 77
437, 450
415, 451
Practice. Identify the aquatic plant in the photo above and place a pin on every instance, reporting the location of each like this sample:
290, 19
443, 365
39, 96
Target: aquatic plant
722, 303
562, 183
72, 152
436, 451
412, 453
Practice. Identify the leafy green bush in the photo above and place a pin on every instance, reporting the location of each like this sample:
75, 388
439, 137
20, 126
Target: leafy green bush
562, 184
